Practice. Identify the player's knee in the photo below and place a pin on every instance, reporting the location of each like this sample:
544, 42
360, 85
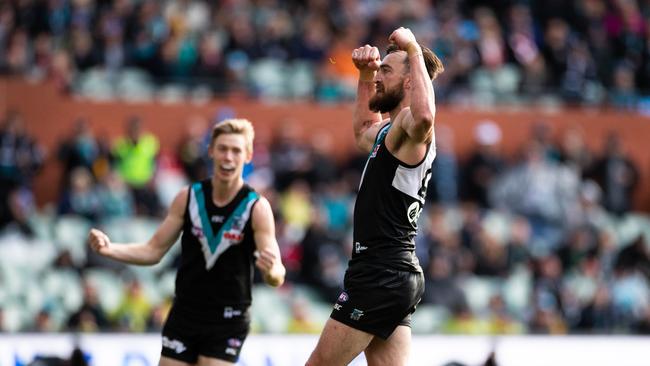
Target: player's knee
317, 358
385, 360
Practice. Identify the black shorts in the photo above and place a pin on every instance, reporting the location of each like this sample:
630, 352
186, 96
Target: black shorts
185, 336
376, 301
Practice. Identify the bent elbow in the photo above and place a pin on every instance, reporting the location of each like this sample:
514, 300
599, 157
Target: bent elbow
427, 120
156, 258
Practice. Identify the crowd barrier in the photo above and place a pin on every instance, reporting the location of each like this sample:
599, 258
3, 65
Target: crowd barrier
293, 350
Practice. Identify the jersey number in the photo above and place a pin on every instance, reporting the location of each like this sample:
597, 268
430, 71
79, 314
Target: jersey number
422, 192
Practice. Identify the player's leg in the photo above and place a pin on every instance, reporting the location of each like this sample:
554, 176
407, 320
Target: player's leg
209, 361
166, 361
338, 345
178, 344
221, 344
393, 351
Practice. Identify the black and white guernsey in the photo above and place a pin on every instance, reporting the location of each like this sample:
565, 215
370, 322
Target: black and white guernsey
217, 257
390, 199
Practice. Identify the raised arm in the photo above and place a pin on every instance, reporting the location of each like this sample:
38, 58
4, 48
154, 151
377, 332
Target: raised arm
153, 250
419, 127
268, 251
365, 122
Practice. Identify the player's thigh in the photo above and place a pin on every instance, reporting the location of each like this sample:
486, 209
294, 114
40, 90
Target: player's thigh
393, 351
166, 361
339, 344
210, 361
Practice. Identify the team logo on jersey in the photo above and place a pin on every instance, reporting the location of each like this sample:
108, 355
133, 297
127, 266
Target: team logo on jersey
356, 314
233, 345
343, 297
234, 342
197, 232
238, 223
374, 151
413, 212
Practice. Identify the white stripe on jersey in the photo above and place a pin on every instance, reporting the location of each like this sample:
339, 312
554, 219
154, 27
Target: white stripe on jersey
411, 180
195, 218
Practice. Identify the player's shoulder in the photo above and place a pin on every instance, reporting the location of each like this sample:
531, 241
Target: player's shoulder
262, 209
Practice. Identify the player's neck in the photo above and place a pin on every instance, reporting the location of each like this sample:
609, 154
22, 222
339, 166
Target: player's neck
406, 102
224, 191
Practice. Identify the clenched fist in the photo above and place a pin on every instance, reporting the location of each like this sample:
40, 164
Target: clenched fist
402, 37
266, 259
99, 242
366, 58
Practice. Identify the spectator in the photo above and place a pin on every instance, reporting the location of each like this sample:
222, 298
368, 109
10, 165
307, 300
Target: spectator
20, 159
132, 313
115, 198
598, 315
491, 256
158, 316
484, 164
301, 321
543, 192
79, 150
81, 198
624, 94
321, 261
135, 156
617, 175
290, 158
443, 187
574, 152
43, 322
518, 252
441, 286
90, 316
191, 152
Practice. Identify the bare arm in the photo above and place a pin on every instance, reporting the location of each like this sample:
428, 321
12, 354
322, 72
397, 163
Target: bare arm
366, 123
153, 250
268, 251
419, 125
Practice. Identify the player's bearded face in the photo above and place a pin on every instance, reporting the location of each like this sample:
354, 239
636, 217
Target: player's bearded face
385, 100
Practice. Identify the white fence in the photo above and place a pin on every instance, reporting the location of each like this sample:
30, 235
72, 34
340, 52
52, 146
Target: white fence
286, 350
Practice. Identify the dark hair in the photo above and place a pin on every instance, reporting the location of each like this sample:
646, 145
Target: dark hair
431, 61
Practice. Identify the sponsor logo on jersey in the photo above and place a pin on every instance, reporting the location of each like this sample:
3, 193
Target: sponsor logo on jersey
229, 312
173, 344
197, 232
358, 247
234, 342
356, 314
414, 211
343, 297
233, 236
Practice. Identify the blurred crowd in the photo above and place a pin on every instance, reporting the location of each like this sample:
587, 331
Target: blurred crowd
544, 241
585, 52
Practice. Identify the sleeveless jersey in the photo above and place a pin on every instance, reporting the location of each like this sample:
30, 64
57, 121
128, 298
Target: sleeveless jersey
217, 258
390, 200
